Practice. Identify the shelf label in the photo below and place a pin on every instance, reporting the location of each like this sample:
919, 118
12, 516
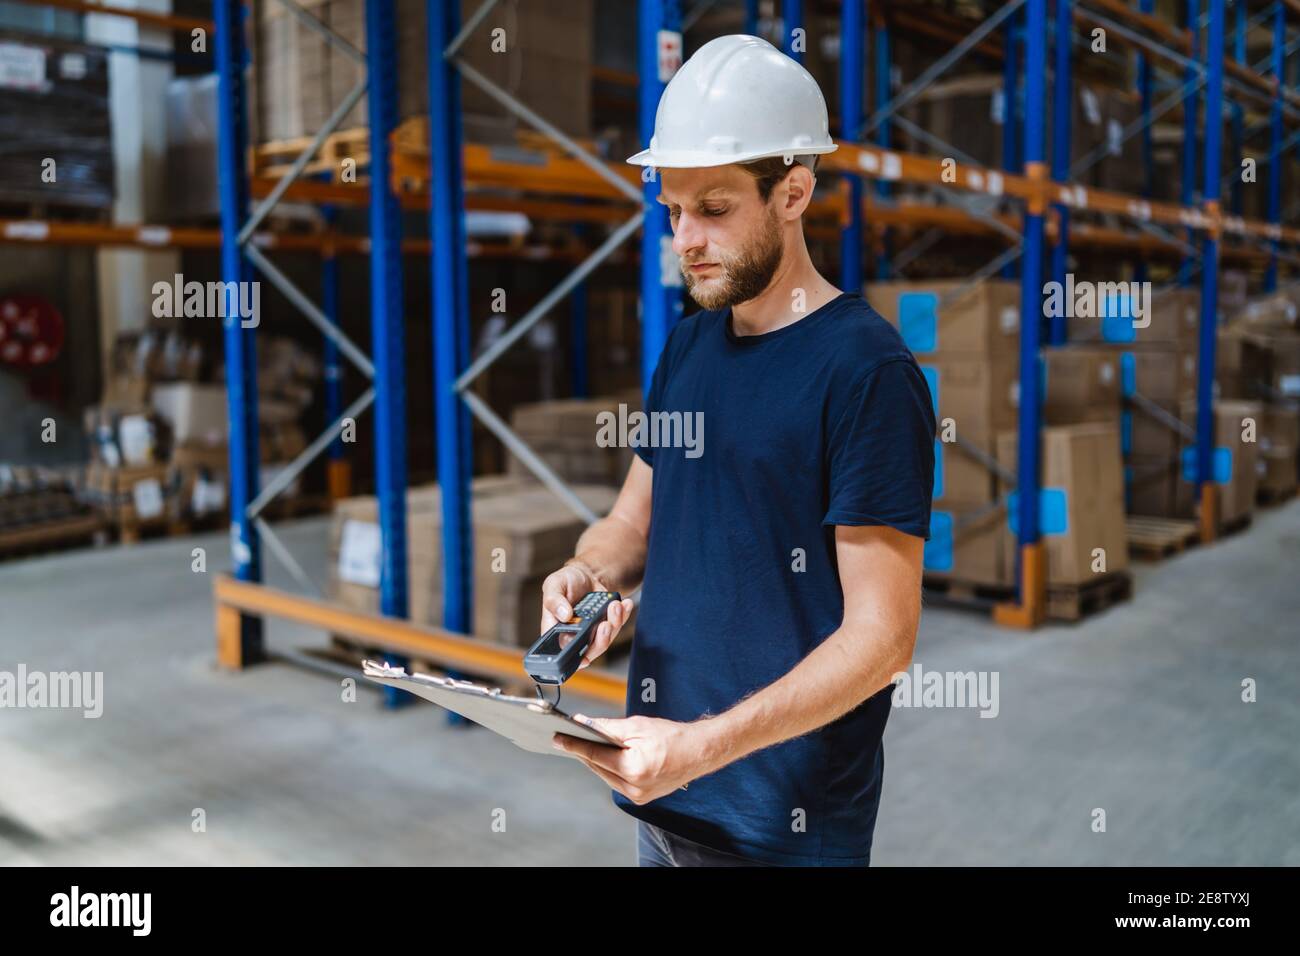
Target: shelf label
360, 553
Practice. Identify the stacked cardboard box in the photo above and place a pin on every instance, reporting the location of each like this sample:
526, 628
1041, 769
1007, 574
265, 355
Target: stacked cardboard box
538, 52
1279, 444
1235, 461
970, 111
613, 340
564, 434
1259, 358
965, 339
522, 533
1081, 501
131, 498
1157, 360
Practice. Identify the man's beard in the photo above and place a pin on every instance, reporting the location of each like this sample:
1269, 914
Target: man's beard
744, 275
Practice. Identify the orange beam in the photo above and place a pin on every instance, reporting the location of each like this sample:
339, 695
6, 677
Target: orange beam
161, 20
454, 651
877, 163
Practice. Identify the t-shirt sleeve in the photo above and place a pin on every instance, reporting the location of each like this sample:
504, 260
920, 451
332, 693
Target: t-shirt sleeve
882, 452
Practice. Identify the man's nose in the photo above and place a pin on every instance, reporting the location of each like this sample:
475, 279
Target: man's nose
688, 236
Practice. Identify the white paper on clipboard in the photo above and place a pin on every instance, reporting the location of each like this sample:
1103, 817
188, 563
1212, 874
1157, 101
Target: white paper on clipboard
528, 723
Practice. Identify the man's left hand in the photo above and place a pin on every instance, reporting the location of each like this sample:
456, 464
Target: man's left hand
658, 756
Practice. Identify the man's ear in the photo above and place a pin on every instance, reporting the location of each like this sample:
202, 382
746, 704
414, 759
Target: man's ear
795, 192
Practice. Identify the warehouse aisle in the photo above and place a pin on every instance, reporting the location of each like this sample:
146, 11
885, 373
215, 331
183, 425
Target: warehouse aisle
1137, 712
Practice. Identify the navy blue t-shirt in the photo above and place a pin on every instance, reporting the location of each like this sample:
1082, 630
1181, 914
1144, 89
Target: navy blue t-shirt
824, 422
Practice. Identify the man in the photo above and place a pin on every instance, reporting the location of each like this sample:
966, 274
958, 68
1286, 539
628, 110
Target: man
780, 561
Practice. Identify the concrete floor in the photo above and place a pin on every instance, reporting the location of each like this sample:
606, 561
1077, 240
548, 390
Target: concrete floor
1137, 711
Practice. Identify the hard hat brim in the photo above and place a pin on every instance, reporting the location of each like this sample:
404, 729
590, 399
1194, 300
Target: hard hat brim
699, 160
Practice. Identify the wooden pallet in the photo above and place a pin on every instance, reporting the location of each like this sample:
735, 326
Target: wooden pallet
1075, 602
1239, 523
1064, 602
135, 531
1152, 539
1268, 497
959, 593
276, 157
50, 535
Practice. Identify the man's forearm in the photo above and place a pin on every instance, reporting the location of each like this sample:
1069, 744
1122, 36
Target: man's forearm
614, 551
843, 671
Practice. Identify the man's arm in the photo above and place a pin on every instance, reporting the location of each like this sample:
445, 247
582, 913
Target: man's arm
880, 574
614, 548
610, 556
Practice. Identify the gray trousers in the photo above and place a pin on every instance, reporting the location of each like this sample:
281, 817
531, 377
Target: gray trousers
657, 847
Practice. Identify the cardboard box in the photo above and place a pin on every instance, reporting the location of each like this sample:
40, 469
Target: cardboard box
131, 496
1235, 460
1150, 484
980, 395
1082, 384
564, 433
1270, 364
522, 533
968, 544
196, 413
1276, 472
1081, 500
1145, 436
959, 474
983, 319
1175, 319
1162, 374
1279, 428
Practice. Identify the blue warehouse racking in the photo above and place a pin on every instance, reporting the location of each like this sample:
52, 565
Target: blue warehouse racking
1040, 183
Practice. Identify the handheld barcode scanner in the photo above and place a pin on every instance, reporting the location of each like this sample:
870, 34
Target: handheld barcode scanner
556, 655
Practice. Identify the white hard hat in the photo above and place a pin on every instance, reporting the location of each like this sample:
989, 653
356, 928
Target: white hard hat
736, 100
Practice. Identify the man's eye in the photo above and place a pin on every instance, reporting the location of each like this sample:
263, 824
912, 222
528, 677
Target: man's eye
714, 211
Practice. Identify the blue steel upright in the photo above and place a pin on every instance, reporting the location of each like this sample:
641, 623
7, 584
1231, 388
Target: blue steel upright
1277, 160
1191, 104
241, 357
1062, 96
661, 300
884, 92
451, 329
1209, 274
851, 74
1031, 284
387, 322
791, 20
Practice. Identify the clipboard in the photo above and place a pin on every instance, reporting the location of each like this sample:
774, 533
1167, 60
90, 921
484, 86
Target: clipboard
527, 722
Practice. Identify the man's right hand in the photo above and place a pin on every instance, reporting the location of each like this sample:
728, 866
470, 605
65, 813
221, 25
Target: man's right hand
568, 586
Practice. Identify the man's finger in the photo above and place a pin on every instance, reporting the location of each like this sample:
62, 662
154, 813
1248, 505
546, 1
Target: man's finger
599, 644
613, 779
603, 755
555, 603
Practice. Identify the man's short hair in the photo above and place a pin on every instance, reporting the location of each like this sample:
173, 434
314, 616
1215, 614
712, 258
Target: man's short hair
769, 172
